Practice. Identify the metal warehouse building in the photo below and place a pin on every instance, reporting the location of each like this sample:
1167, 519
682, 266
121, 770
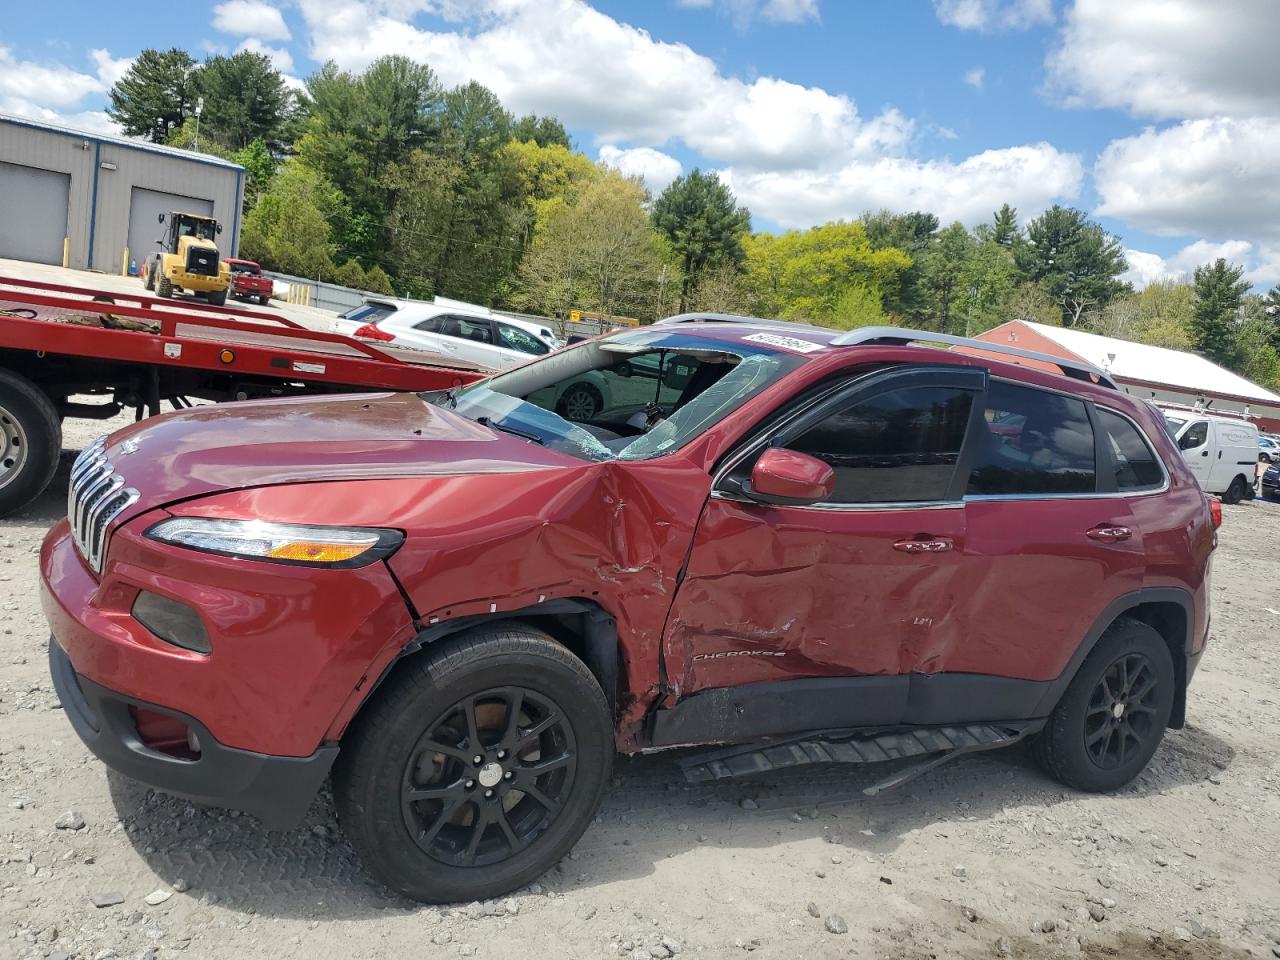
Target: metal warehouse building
91, 202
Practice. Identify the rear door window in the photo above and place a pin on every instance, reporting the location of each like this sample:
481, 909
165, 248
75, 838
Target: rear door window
467, 328
1136, 466
896, 447
1034, 442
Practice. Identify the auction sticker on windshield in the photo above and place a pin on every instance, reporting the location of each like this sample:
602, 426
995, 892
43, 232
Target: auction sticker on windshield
787, 343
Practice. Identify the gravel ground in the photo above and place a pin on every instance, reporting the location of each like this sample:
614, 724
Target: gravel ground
982, 858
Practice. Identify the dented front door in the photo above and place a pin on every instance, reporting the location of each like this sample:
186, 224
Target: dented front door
864, 585
779, 593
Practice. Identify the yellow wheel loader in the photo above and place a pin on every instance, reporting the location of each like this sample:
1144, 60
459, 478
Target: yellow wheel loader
189, 260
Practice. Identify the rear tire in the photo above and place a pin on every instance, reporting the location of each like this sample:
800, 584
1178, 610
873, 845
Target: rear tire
264, 300
30, 441
537, 720
217, 297
148, 278
1236, 492
163, 287
1108, 724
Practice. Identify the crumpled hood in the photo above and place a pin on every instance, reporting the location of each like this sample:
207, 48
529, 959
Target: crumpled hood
349, 437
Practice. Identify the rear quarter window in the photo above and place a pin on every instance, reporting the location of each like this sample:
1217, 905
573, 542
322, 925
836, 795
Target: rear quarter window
1136, 465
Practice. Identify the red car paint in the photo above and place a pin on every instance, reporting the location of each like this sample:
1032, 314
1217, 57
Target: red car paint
248, 280
495, 524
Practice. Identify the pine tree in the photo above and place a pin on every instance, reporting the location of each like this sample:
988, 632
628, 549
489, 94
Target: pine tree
1004, 227
704, 224
1219, 291
156, 94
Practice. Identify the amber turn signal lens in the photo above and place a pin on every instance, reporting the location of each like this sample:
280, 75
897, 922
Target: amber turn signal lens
318, 552
227, 356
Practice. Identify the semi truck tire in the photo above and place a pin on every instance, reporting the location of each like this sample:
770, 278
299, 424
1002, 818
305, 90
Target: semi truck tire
30, 441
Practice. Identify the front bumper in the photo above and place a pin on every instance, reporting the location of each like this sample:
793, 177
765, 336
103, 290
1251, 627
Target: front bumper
277, 790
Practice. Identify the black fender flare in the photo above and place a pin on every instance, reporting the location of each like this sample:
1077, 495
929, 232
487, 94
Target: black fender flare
1118, 608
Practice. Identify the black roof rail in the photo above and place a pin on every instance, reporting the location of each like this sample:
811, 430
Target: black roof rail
901, 336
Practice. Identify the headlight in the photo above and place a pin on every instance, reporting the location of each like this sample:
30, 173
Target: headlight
280, 542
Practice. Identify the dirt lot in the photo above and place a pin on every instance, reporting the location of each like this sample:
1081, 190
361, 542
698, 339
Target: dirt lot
982, 858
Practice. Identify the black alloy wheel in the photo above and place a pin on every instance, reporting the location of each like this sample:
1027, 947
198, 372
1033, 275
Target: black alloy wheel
1112, 716
1122, 711
476, 765
488, 777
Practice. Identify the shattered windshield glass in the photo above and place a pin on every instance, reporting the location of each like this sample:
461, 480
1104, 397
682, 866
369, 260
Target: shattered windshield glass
634, 396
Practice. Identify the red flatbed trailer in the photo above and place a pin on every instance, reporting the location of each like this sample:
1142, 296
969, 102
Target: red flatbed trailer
59, 341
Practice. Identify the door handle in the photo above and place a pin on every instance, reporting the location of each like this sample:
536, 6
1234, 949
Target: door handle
925, 545
1205, 453
1109, 534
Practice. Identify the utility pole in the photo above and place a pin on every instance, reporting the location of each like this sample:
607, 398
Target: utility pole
199, 110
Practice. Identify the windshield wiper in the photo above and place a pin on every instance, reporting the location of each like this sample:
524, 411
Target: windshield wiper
522, 434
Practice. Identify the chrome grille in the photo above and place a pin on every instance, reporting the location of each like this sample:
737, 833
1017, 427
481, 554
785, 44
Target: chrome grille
95, 497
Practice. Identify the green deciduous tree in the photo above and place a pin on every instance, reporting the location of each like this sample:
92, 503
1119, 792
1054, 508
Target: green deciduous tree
803, 275
350, 274
1219, 291
290, 227
702, 222
155, 95
599, 253
1076, 262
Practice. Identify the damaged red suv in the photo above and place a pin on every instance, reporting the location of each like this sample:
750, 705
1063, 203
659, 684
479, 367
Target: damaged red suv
788, 543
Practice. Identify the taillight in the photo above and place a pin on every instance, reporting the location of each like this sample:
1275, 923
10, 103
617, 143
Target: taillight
1215, 511
370, 332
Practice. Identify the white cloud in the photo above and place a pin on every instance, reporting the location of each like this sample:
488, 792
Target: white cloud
657, 168
989, 15
743, 12
976, 77
250, 18
280, 58
1262, 264
797, 155
110, 69
1029, 177
1202, 177
54, 87
1169, 58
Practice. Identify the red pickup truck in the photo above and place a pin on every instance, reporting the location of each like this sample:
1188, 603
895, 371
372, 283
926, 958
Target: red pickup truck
248, 282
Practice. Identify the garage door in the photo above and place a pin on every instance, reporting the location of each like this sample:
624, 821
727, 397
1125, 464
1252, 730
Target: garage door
145, 206
33, 213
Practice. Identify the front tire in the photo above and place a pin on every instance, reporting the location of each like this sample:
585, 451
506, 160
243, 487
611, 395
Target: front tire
1108, 724
1236, 492
30, 441
477, 766
580, 402
164, 287
149, 278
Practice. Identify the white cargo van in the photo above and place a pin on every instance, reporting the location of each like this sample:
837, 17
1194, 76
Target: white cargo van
1222, 452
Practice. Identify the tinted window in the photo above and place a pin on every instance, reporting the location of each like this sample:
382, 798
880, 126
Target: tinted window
368, 313
1136, 466
513, 338
1195, 436
896, 447
430, 325
466, 328
1033, 442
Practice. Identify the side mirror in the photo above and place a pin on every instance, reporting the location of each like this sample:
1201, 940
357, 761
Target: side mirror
787, 477
159, 243
160, 219
218, 228
575, 338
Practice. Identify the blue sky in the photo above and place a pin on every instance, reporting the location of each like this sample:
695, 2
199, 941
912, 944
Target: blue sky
1160, 117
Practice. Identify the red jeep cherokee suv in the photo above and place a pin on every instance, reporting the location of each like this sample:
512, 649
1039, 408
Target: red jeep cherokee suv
796, 544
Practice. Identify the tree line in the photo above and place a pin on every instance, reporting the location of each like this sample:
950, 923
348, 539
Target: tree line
388, 181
